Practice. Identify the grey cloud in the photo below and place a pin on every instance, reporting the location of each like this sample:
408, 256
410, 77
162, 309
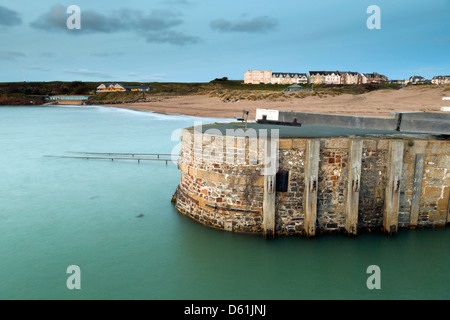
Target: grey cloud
256, 25
9, 18
53, 20
117, 21
92, 21
128, 20
155, 26
56, 20
156, 21
11, 55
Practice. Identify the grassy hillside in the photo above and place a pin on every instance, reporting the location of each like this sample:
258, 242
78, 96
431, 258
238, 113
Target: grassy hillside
35, 92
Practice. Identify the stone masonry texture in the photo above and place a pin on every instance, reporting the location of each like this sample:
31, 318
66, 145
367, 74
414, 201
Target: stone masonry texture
222, 185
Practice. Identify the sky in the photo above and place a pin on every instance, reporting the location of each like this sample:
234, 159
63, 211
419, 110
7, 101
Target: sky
200, 40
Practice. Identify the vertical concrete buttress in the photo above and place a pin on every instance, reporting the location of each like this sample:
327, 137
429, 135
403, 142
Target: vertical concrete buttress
417, 190
270, 171
448, 210
392, 197
353, 186
311, 185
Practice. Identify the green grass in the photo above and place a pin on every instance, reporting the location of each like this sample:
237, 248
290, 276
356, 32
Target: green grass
227, 90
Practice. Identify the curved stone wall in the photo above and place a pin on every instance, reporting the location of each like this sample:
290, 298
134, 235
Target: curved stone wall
363, 183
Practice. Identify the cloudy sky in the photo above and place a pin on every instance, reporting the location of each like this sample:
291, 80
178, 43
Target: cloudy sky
199, 40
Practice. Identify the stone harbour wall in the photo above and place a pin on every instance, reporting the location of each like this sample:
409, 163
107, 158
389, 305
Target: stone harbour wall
222, 184
373, 184
290, 218
217, 192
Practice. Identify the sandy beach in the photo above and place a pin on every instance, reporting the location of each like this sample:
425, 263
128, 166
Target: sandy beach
376, 104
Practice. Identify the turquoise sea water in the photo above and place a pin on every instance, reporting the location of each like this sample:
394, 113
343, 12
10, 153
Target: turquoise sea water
60, 212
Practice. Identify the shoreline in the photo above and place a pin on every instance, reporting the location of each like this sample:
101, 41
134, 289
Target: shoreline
378, 103
373, 104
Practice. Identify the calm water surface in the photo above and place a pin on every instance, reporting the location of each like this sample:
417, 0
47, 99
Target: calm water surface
60, 212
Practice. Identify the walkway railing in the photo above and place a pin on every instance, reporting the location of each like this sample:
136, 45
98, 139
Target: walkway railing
119, 156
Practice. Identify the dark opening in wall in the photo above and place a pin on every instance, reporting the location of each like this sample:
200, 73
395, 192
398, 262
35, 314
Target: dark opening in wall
282, 181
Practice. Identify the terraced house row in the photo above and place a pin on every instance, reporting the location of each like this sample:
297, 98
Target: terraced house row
315, 77
441, 80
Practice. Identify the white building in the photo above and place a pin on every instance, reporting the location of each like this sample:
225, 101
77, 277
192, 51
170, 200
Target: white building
324, 77
266, 77
440, 80
363, 78
350, 77
257, 77
289, 78
332, 78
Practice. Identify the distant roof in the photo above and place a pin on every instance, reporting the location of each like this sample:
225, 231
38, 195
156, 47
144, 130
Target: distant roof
107, 84
353, 73
137, 87
291, 74
324, 72
374, 74
112, 83
117, 83
417, 78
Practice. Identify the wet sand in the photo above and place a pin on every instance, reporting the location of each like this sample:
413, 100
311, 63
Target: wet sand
376, 104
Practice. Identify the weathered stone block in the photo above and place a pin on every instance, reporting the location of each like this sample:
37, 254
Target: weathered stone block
370, 144
443, 161
382, 145
336, 143
436, 216
436, 147
433, 192
442, 204
299, 144
419, 147
285, 143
